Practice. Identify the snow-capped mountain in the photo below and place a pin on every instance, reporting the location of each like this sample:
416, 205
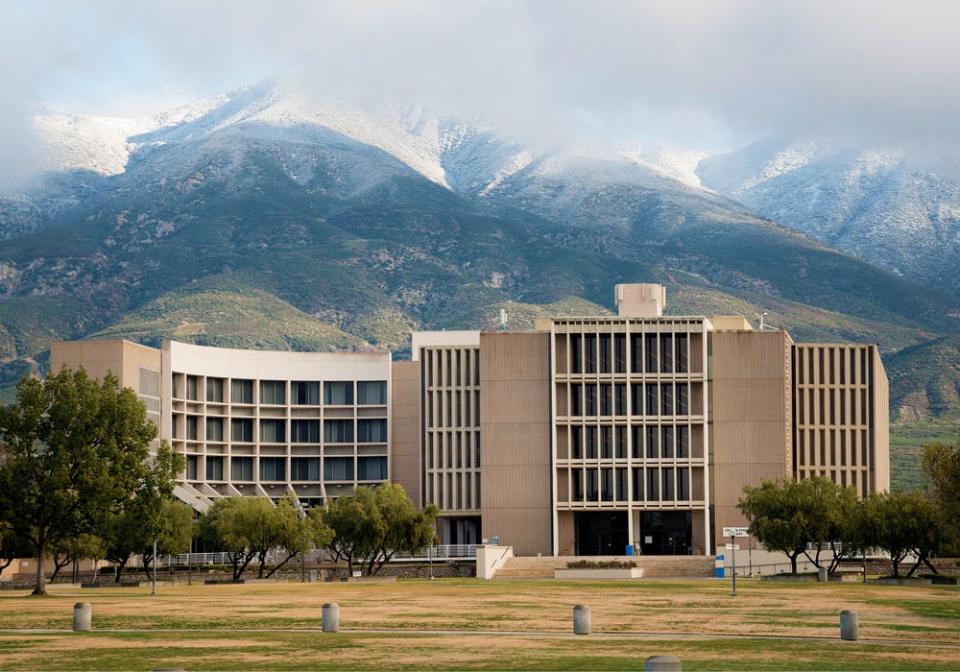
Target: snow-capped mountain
889, 207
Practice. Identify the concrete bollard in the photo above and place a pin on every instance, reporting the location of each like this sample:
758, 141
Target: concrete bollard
849, 626
822, 576
581, 620
331, 617
662, 664
82, 615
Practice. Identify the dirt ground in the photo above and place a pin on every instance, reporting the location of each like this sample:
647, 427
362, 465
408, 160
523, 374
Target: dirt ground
470, 623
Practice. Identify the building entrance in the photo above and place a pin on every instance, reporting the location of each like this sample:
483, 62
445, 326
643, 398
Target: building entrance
666, 532
600, 533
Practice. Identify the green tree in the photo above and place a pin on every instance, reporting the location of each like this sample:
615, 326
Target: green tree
12, 546
151, 512
74, 549
73, 451
941, 463
244, 527
374, 524
905, 523
297, 533
777, 513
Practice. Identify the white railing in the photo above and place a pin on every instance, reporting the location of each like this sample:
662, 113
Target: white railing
438, 553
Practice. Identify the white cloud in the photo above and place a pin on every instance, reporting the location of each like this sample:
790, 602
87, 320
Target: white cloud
694, 74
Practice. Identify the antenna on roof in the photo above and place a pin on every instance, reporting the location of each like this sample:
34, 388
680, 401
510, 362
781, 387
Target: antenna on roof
503, 319
763, 322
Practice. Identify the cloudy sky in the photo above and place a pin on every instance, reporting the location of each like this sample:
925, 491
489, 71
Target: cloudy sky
700, 75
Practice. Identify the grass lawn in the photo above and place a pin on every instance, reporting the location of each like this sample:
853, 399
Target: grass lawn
472, 624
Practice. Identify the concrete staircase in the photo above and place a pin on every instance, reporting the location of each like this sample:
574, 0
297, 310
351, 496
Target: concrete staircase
685, 566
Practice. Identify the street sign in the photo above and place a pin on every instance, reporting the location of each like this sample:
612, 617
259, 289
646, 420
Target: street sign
735, 532
733, 547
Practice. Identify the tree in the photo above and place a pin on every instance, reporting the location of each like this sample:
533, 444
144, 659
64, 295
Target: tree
244, 527
150, 512
73, 451
904, 523
12, 546
941, 463
296, 533
372, 525
777, 512
72, 550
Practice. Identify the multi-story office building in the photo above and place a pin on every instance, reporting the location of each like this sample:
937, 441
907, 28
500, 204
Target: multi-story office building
580, 437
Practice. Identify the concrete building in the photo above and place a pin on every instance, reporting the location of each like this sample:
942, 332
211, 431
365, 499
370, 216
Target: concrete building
579, 437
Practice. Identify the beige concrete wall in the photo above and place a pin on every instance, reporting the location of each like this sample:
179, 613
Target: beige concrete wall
405, 428
99, 358
751, 404
515, 471
881, 428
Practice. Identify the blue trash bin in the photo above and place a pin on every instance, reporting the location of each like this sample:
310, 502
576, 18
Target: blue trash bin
629, 549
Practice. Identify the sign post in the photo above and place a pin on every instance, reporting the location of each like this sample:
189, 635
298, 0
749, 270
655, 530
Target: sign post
733, 533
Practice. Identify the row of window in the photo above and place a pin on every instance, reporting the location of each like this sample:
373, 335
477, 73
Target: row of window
651, 441
302, 393
589, 399
451, 367
835, 406
368, 430
829, 366
833, 448
649, 353
369, 468
452, 450
667, 484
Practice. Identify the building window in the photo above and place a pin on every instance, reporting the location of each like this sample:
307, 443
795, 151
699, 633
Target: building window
606, 489
682, 358
590, 397
241, 468
606, 402
683, 399
620, 353
576, 353
621, 441
576, 476
338, 468
652, 399
576, 392
272, 431
149, 382
606, 442
305, 393
605, 353
622, 494
620, 399
576, 441
636, 353
191, 467
192, 424
592, 490
638, 485
372, 430
668, 484
192, 388
305, 431
666, 353
273, 392
683, 441
650, 348
637, 431
214, 468
666, 442
241, 430
653, 482
373, 392
305, 469
590, 353
215, 390
666, 399
338, 431
591, 441
372, 468
683, 485
214, 429
241, 392
338, 393
273, 468
652, 443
